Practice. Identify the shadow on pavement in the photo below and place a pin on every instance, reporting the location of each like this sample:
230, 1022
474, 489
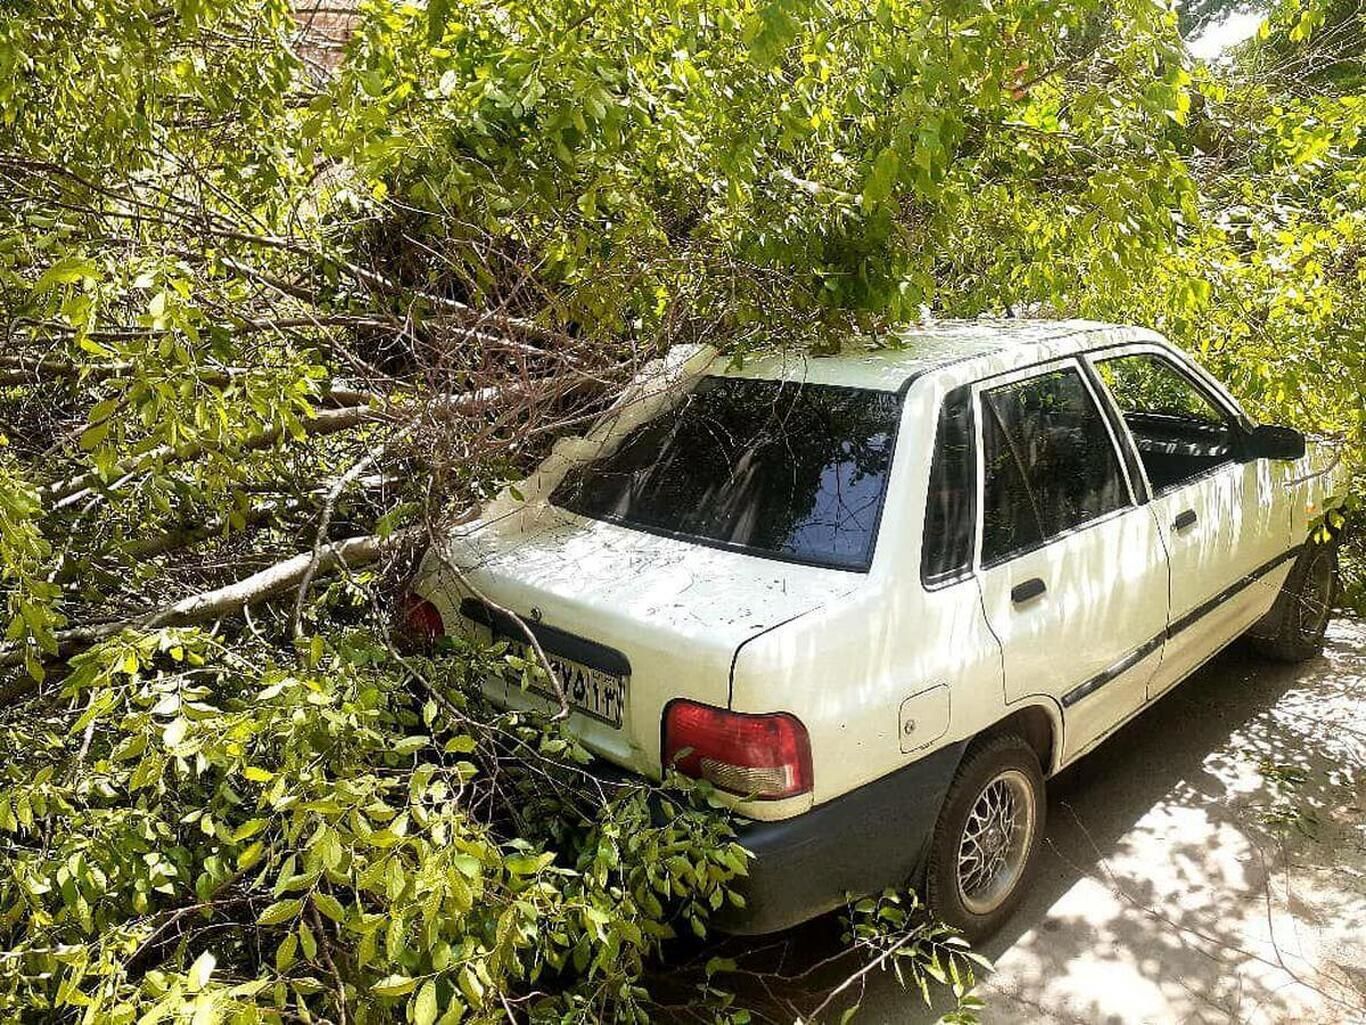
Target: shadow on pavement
1207, 863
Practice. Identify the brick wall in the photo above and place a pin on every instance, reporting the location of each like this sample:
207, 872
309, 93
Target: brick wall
325, 26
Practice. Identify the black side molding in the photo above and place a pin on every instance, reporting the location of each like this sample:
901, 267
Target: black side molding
1122, 666
1205, 608
1189, 619
554, 640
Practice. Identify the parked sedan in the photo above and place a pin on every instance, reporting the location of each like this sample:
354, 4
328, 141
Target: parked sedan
878, 598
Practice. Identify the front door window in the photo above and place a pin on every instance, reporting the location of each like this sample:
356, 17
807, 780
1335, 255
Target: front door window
1179, 432
1073, 573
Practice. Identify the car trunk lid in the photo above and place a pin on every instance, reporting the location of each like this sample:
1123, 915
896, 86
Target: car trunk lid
665, 615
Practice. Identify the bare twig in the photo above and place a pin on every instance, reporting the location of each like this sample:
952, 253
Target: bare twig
526, 631
325, 521
325, 947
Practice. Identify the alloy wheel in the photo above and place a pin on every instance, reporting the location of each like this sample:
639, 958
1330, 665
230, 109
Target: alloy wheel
1314, 602
996, 840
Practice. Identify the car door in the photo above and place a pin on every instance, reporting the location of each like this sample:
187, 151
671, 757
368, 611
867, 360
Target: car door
1224, 521
1071, 566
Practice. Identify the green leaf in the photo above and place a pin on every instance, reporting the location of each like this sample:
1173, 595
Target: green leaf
471, 986
198, 976
424, 1005
329, 906
408, 745
771, 30
469, 865
250, 856
175, 732
526, 865
280, 911
67, 271
438, 12
284, 953
92, 437
882, 178
249, 829
393, 986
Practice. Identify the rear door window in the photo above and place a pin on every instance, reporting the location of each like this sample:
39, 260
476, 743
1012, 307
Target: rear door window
1049, 463
780, 469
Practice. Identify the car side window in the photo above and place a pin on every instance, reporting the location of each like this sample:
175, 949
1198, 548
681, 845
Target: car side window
946, 548
1179, 432
1049, 463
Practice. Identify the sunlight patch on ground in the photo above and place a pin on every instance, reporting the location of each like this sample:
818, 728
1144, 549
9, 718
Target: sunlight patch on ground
1206, 864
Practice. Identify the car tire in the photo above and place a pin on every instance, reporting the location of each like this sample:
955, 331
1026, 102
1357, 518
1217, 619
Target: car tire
987, 837
1304, 608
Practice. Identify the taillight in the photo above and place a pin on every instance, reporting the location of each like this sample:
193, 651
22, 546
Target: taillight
761, 756
421, 623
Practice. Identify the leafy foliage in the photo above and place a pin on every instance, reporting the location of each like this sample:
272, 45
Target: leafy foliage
217, 838
255, 307
768, 167
1267, 284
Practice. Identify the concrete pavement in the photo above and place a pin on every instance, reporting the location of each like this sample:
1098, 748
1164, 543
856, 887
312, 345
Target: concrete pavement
1206, 864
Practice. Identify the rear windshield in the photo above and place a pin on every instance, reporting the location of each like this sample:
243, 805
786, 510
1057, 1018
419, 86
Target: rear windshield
773, 468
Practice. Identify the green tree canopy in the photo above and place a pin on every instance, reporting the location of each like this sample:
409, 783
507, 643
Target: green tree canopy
268, 325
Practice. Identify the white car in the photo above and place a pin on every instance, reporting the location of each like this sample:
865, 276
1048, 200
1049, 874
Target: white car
879, 597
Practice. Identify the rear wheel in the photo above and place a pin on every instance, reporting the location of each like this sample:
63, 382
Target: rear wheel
987, 836
1304, 608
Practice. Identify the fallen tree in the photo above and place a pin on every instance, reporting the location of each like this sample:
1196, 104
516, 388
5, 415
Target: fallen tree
266, 331
351, 554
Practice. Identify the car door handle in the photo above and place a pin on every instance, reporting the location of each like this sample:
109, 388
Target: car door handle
1031, 588
1184, 520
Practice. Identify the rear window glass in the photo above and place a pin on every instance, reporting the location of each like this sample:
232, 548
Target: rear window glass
773, 468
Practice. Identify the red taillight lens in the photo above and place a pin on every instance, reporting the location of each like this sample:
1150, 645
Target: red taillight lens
421, 622
761, 756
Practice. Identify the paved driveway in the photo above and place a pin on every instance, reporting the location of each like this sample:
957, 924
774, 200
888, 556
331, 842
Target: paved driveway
1207, 864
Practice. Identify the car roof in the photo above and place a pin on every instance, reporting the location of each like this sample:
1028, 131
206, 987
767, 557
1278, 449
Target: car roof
889, 361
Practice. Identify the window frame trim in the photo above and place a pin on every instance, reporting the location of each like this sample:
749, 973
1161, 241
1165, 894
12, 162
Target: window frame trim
1239, 422
1207, 382
1076, 363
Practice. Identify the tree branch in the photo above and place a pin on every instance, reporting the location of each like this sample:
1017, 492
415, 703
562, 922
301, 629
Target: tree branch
351, 553
325, 421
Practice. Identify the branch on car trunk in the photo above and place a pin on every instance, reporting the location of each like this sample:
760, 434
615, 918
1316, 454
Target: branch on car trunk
350, 553
527, 632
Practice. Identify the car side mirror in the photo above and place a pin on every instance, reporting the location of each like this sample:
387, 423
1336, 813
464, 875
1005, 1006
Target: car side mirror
1270, 441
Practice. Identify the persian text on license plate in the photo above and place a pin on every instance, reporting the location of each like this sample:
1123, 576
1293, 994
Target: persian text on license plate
590, 691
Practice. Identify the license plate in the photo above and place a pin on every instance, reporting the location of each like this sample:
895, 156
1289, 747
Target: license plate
593, 692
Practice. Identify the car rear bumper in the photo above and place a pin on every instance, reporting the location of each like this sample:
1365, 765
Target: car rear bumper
856, 844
